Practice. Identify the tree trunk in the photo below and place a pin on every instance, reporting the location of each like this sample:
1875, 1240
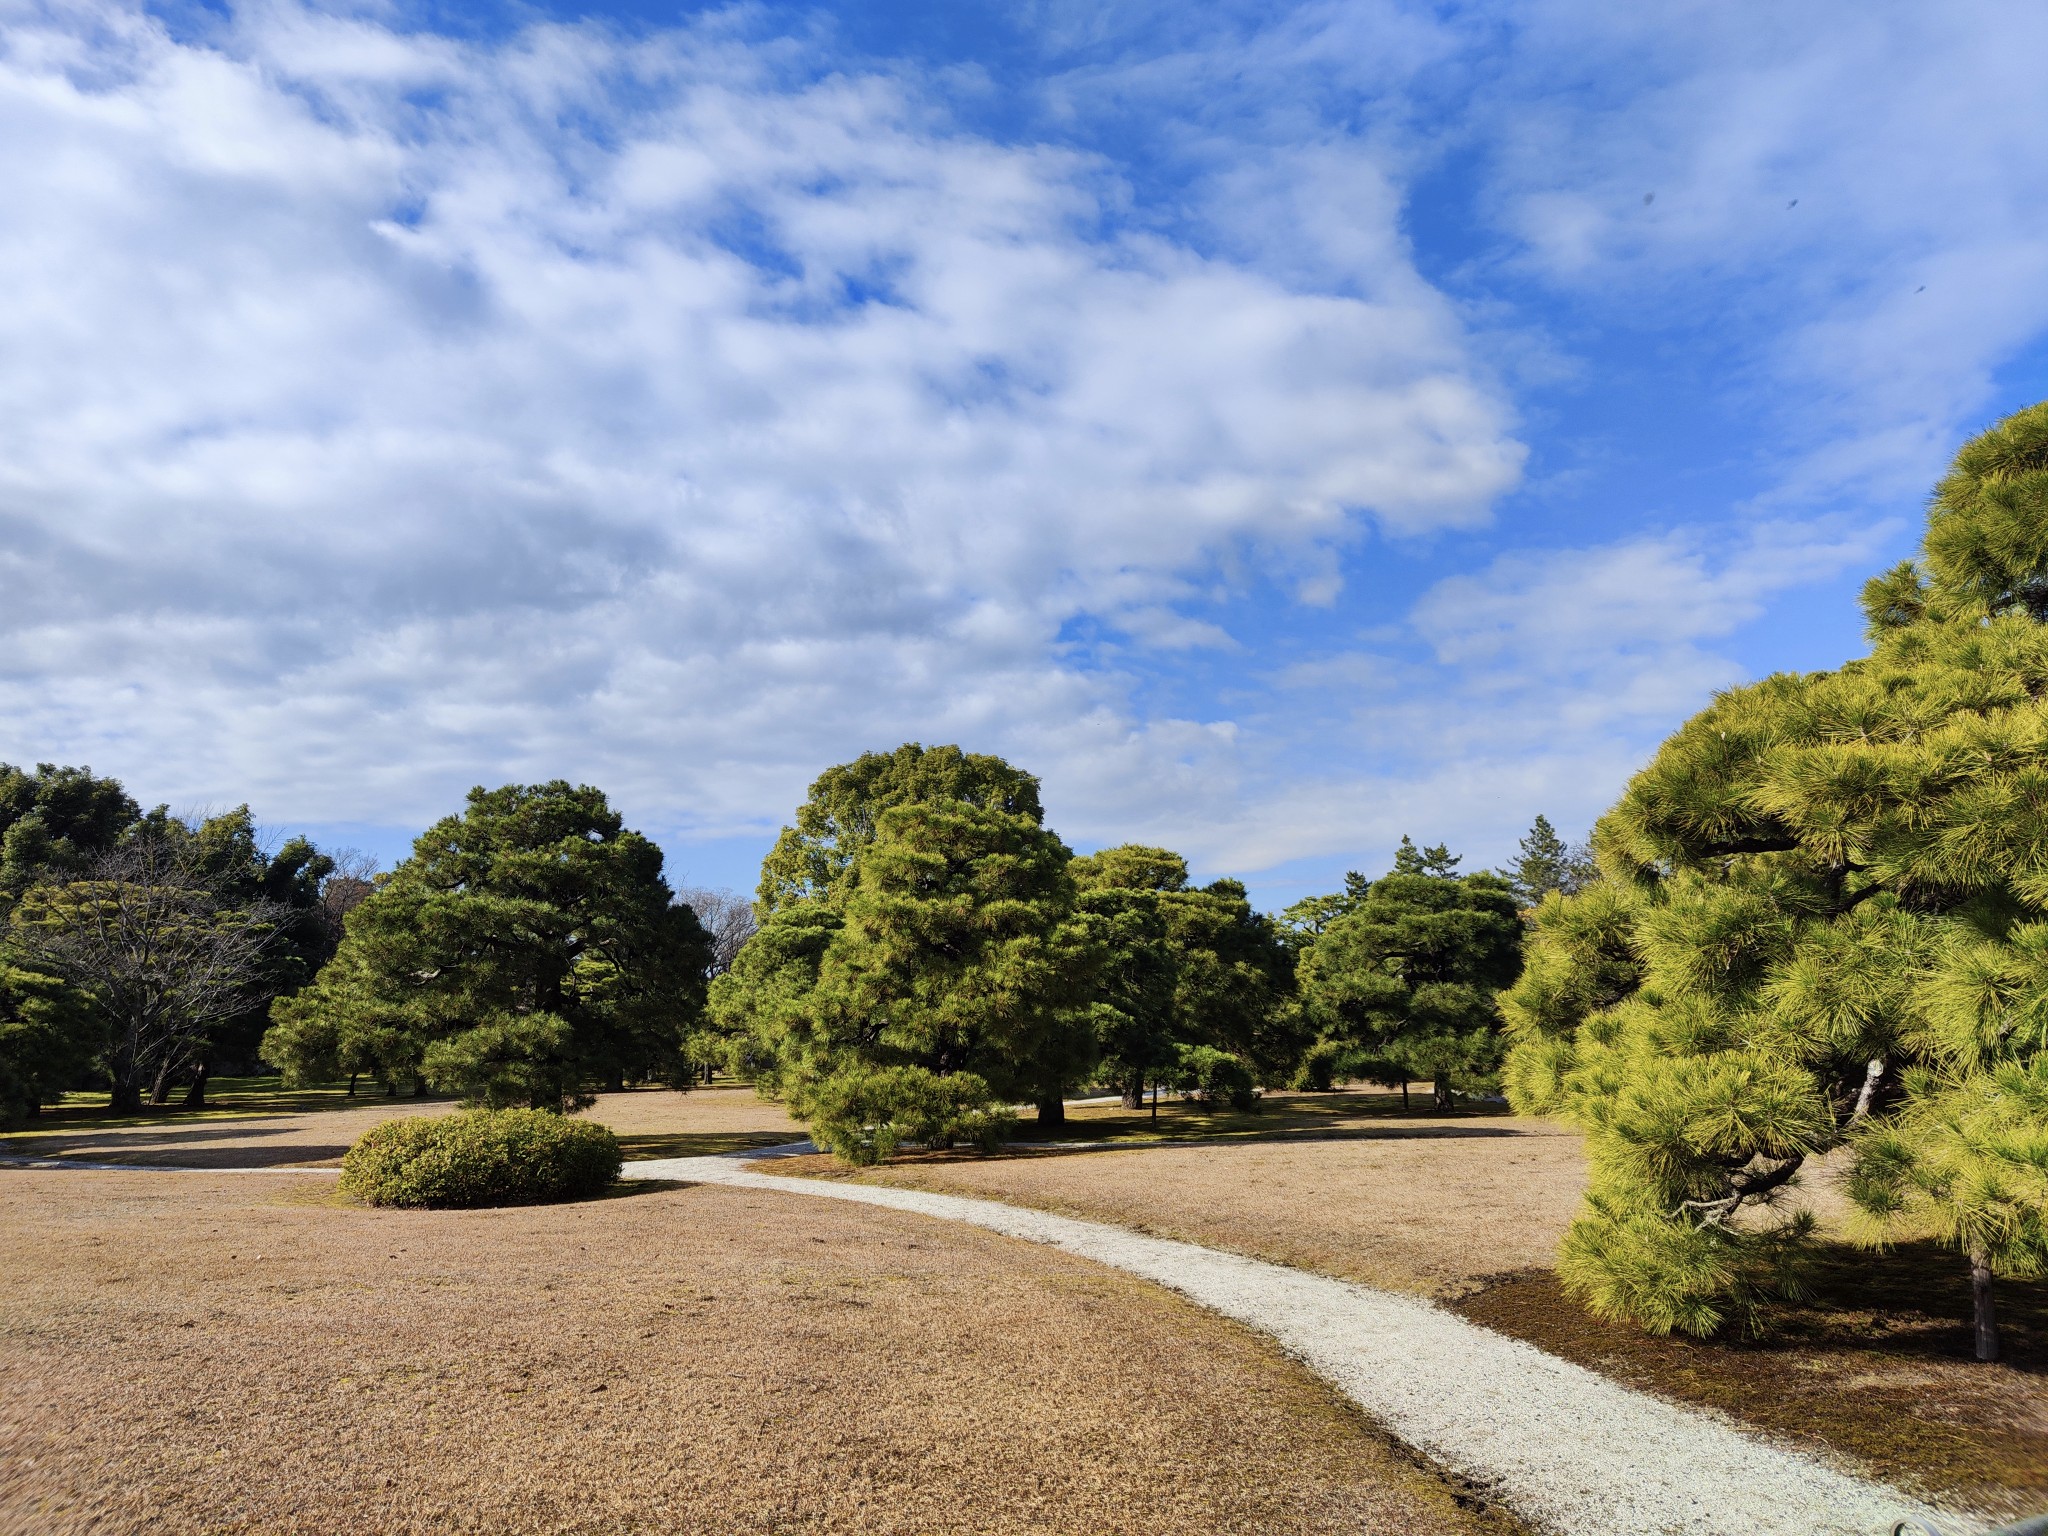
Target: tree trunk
160, 1086
1440, 1093
352, 1083
391, 1089
126, 1098
195, 1096
1134, 1092
419, 1088
1052, 1110
1404, 1093
1980, 1298
618, 1082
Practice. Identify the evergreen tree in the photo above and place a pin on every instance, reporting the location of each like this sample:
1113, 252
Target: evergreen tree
950, 945
1407, 977
1819, 920
55, 821
1192, 967
1543, 865
840, 815
527, 952
1437, 862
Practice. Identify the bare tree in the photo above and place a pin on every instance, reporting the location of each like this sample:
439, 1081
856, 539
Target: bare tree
727, 916
159, 950
353, 877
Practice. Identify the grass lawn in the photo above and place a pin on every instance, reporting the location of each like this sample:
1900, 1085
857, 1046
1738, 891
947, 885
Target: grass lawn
240, 1354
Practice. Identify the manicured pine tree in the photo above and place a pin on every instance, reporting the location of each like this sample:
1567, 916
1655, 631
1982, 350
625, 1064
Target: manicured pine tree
1820, 920
527, 953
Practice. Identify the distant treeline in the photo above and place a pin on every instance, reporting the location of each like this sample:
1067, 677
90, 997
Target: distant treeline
928, 953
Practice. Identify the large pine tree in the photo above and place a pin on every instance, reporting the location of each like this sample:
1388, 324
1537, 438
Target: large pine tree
1824, 920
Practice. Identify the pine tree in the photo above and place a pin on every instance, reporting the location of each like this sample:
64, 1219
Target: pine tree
1822, 919
528, 952
936, 937
1409, 974
1544, 863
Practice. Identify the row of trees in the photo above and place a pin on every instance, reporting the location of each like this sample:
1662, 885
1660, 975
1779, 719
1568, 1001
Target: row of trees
142, 947
918, 921
927, 943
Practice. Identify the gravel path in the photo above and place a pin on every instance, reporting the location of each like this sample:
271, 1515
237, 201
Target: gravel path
1566, 1449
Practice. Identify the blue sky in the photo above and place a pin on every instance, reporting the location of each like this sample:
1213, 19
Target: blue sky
1279, 427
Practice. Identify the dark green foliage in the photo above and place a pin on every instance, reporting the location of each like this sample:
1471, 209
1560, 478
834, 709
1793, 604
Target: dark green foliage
1319, 1068
48, 1039
481, 1157
863, 1113
1546, 863
55, 820
1824, 919
1215, 1077
1437, 862
1190, 966
1408, 973
844, 809
955, 946
526, 953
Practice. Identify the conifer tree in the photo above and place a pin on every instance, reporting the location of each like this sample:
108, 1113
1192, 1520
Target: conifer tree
1409, 972
839, 816
1543, 863
527, 953
1822, 918
950, 946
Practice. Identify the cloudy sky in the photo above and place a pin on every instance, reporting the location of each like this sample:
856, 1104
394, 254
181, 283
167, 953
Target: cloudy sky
1278, 426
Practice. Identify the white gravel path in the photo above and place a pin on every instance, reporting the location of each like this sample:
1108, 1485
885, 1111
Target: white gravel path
1566, 1449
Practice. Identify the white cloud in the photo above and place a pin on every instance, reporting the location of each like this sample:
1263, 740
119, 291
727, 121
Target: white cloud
381, 413
1849, 198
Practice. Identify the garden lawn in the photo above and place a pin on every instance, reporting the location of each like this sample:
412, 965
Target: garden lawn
211, 1353
649, 1122
1876, 1372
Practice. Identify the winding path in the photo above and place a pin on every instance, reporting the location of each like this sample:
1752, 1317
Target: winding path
1567, 1449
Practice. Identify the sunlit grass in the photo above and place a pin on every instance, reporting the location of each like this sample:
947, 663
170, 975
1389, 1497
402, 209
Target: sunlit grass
227, 1098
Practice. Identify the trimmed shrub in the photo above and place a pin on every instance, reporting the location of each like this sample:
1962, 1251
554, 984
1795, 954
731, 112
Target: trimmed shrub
1317, 1071
1216, 1077
481, 1157
863, 1114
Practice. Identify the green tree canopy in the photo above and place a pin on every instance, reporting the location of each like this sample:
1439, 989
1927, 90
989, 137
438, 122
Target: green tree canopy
528, 951
955, 948
54, 821
840, 816
1823, 903
1408, 974
1196, 967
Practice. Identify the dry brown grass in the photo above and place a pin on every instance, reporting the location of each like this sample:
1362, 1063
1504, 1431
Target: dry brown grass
194, 1353
1875, 1370
1416, 1203
650, 1122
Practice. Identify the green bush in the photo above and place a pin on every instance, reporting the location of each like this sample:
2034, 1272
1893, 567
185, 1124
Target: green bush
481, 1157
863, 1114
1320, 1063
1216, 1077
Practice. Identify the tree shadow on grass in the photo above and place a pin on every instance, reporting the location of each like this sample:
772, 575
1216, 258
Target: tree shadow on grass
1877, 1365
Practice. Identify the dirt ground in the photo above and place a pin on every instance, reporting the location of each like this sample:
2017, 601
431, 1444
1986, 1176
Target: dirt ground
650, 1122
1422, 1204
211, 1353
